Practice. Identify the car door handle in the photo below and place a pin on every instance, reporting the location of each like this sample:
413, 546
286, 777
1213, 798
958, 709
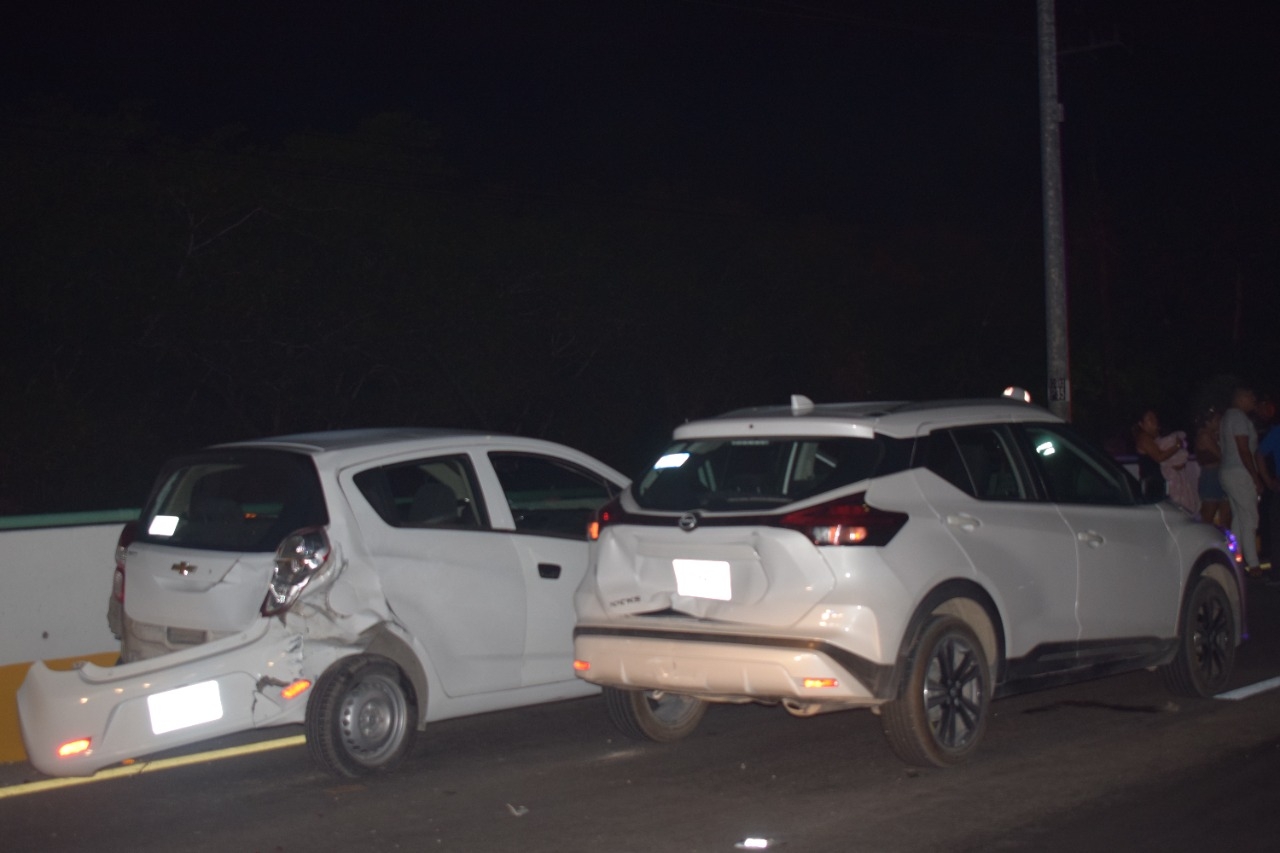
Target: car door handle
965, 522
1090, 538
550, 571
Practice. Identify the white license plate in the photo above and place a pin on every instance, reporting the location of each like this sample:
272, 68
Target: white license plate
185, 707
703, 579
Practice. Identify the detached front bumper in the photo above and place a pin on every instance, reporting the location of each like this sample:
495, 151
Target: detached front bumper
132, 710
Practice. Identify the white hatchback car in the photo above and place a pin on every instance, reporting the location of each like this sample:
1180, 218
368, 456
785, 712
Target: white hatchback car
915, 558
363, 582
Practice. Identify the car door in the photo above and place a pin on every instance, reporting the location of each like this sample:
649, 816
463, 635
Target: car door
453, 581
1130, 574
1018, 544
550, 500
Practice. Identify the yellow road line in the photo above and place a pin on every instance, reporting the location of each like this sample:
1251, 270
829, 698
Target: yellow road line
151, 766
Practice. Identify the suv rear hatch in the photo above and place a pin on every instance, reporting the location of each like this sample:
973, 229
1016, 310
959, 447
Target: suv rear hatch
726, 528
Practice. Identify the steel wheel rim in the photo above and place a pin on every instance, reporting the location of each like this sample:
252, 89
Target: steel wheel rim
954, 694
373, 719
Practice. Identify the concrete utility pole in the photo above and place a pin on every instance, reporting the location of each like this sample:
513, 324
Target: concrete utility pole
1055, 264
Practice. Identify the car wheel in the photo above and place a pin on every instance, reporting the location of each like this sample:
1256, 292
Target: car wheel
361, 718
1206, 644
653, 714
941, 711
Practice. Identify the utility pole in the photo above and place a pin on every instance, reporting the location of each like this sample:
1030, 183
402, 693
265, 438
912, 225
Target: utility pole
1055, 264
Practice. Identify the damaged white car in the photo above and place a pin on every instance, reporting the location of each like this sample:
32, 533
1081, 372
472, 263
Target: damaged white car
363, 583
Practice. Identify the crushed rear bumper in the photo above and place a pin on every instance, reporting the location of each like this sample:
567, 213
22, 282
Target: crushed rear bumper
136, 709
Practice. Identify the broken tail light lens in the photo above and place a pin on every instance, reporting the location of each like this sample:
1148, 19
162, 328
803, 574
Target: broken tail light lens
847, 521
300, 557
127, 534
606, 515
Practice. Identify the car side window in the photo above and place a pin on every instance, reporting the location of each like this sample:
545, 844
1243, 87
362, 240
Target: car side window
550, 496
435, 492
1073, 471
977, 460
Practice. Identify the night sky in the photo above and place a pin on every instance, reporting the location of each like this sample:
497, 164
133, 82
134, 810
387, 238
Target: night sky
909, 130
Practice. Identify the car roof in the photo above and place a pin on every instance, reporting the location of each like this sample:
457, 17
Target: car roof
346, 439
895, 418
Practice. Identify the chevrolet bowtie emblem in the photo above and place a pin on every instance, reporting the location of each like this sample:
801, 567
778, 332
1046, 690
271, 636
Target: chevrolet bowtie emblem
184, 568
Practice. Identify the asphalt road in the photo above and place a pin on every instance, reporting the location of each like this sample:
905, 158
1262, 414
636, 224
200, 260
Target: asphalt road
1111, 765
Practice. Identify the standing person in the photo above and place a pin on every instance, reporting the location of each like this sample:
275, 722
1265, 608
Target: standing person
1154, 451
1214, 507
1268, 458
1239, 473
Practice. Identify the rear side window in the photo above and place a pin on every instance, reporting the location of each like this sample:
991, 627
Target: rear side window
438, 491
235, 500
548, 495
978, 460
735, 474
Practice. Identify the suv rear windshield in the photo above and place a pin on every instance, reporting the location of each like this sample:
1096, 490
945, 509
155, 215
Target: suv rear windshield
233, 500
754, 473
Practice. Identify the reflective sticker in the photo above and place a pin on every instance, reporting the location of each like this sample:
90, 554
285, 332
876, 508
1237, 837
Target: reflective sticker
703, 578
671, 460
163, 525
185, 707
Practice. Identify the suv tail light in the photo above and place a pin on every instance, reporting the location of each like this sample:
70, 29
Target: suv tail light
127, 534
606, 515
300, 557
847, 521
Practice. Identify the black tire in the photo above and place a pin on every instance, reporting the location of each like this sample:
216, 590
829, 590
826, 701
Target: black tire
1206, 643
362, 717
942, 707
653, 714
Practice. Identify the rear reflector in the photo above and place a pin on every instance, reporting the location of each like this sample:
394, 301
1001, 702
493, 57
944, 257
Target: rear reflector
297, 688
821, 682
74, 747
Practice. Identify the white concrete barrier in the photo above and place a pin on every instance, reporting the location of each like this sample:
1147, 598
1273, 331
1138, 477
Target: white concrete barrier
54, 586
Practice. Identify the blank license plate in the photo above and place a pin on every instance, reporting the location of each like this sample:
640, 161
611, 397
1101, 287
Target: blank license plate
185, 707
703, 579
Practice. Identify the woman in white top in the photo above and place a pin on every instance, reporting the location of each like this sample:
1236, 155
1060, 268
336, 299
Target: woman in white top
1240, 478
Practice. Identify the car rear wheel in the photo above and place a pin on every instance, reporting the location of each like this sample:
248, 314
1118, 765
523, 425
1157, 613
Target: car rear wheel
1206, 644
941, 711
653, 714
361, 718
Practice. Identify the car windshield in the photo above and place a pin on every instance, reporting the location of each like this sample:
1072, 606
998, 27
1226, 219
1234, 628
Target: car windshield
735, 474
233, 500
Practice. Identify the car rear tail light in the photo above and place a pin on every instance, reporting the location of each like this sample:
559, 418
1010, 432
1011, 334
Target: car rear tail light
847, 521
606, 515
128, 533
300, 557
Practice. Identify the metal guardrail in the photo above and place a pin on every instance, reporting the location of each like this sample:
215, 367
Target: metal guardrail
67, 519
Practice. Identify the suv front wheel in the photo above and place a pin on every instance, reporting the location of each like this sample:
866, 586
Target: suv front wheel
941, 710
1206, 644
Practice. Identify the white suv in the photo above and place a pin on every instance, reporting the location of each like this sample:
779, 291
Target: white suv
915, 558
361, 582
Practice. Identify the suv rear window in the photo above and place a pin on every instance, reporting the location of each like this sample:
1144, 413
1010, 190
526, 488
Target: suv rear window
754, 473
234, 500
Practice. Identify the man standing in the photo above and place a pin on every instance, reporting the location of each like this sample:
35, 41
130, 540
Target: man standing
1240, 477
